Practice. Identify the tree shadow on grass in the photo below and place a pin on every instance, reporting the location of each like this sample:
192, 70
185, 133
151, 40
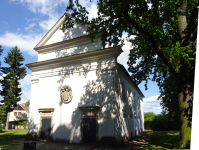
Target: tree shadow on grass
163, 140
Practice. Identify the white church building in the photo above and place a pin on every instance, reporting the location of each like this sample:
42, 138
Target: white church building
79, 93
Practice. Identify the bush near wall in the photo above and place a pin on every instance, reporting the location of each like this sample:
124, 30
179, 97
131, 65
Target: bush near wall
20, 123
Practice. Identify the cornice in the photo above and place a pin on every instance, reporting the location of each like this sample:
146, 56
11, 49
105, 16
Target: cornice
77, 58
58, 45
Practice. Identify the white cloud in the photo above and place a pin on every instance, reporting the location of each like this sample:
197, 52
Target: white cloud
26, 42
92, 11
48, 24
44, 7
151, 104
151, 99
5, 22
123, 57
30, 26
25, 91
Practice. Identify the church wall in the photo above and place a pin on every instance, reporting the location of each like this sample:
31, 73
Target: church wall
70, 33
127, 126
90, 87
74, 48
33, 125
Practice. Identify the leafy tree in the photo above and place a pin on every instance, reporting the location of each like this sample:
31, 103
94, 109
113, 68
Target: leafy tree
165, 42
27, 103
148, 118
169, 101
10, 82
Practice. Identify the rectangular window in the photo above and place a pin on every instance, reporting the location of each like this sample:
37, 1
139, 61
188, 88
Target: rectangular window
19, 113
15, 113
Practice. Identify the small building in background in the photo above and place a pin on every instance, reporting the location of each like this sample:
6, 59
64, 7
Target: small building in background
20, 112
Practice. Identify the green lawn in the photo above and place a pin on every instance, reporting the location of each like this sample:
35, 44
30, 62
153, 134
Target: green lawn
163, 140
7, 136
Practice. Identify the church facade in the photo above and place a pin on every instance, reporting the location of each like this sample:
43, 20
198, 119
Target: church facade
79, 93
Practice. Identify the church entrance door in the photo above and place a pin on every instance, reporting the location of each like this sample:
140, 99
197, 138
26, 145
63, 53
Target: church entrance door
45, 129
89, 130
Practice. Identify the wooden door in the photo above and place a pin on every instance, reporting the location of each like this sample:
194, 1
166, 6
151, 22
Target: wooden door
45, 129
89, 130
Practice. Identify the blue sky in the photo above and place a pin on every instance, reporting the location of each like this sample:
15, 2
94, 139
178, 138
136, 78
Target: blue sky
25, 22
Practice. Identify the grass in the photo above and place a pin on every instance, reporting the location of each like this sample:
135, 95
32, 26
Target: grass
7, 136
163, 140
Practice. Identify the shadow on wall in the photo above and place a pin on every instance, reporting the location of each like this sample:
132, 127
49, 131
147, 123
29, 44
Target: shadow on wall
23, 116
76, 31
98, 92
83, 46
32, 127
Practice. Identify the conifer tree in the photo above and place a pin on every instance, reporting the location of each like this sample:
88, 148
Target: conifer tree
11, 91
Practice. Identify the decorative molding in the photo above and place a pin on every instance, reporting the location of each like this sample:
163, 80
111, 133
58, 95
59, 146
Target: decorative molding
77, 58
89, 110
46, 113
34, 81
66, 94
46, 109
104, 70
65, 48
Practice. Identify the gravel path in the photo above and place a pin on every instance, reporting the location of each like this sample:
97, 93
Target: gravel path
136, 144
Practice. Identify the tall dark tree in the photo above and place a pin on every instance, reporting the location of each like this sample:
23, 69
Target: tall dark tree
165, 42
1, 51
11, 91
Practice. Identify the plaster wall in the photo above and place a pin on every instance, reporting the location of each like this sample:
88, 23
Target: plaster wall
91, 86
73, 48
24, 115
70, 33
127, 126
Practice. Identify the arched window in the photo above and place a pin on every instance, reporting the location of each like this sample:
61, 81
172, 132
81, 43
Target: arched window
135, 105
123, 100
130, 103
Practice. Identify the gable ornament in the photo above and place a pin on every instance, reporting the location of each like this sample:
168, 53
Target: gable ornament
66, 94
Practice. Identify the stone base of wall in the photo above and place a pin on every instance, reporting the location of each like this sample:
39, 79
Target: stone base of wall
32, 137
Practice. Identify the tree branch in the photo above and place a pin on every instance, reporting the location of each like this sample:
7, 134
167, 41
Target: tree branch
150, 37
191, 28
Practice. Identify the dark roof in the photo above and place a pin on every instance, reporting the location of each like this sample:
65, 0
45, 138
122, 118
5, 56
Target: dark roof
127, 74
25, 107
21, 107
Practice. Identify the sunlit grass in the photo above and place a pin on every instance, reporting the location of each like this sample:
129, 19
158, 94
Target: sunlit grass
163, 140
7, 136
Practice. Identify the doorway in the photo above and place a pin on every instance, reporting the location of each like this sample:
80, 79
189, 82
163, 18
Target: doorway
45, 129
89, 130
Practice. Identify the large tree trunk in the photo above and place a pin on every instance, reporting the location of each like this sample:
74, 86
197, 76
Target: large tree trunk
7, 121
185, 130
185, 84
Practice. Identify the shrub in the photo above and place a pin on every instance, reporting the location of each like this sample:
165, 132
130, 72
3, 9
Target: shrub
21, 123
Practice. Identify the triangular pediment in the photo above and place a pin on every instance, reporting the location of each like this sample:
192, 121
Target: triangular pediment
55, 35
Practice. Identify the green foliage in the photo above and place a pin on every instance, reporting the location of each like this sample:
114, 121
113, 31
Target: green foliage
21, 123
10, 82
148, 118
27, 103
7, 136
164, 46
163, 122
162, 140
